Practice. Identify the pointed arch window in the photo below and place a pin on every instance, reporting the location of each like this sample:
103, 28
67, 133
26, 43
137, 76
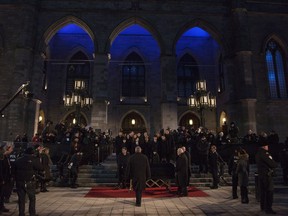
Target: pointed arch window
133, 76
78, 68
277, 76
187, 75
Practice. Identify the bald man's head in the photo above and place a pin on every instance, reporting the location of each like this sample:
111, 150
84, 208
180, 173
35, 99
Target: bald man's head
138, 149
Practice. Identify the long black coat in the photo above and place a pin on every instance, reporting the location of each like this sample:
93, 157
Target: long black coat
138, 169
25, 168
264, 162
182, 170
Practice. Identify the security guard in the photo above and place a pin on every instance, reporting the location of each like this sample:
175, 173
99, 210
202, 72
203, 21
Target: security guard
266, 166
25, 168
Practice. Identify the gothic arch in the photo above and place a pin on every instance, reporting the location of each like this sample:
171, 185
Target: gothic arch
131, 21
189, 52
77, 49
189, 113
279, 40
82, 114
52, 29
74, 51
205, 26
131, 112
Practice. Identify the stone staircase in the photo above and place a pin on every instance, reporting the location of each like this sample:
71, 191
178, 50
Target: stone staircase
105, 174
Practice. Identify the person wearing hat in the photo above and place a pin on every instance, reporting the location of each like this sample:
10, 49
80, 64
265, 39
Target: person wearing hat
24, 172
266, 166
138, 169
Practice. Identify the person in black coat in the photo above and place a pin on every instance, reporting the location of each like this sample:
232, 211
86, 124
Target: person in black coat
3, 177
213, 162
73, 167
187, 154
266, 166
138, 169
7, 176
181, 172
24, 171
242, 171
123, 158
232, 165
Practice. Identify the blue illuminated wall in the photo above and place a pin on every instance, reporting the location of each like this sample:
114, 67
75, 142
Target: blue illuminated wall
68, 38
64, 44
205, 50
138, 39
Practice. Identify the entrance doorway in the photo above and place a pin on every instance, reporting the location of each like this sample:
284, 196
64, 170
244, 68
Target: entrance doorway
190, 120
133, 122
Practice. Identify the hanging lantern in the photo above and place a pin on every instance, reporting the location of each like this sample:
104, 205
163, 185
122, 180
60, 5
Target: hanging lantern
192, 101
212, 102
77, 98
201, 85
68, 100
204, 100
79, 84
88, 101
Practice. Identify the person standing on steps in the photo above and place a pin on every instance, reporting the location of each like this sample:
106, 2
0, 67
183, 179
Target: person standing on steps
242, 171
232, 165
123, 158
213, 164
181, 172
138, 169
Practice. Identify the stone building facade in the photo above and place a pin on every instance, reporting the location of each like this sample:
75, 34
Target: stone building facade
45, 41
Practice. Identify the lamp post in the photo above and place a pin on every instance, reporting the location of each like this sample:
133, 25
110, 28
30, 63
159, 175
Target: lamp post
78, 98
201, 99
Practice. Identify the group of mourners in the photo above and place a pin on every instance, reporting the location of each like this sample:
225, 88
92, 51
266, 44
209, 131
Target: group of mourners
238, 168
135, 155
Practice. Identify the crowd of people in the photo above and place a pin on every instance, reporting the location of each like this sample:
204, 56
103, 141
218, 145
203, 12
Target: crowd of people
182, 147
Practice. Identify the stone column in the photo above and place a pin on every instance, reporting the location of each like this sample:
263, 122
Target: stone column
243, 97
169, 92
99, 115
36, 119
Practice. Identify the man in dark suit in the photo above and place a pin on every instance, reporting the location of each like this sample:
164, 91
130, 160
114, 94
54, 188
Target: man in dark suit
138, 169
181, 172
266, 166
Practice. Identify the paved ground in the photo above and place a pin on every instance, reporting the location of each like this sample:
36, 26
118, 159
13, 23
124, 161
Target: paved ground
66, 201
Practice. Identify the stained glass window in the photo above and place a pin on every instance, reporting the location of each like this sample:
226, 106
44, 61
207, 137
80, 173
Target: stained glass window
276, 71
133, 76
78, 68
187, 75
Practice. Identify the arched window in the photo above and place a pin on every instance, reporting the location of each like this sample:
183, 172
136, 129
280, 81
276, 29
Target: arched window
78, 68
133, 76
276, 70
187, 75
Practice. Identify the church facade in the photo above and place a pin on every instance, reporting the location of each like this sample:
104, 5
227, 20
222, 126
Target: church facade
140, 61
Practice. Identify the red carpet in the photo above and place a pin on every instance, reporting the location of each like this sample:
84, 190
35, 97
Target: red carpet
106, 192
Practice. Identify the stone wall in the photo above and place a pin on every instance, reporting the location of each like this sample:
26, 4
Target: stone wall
240, 28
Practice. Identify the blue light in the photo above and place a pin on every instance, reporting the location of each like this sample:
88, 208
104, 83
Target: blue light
72, 29
135, 30
196, 32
